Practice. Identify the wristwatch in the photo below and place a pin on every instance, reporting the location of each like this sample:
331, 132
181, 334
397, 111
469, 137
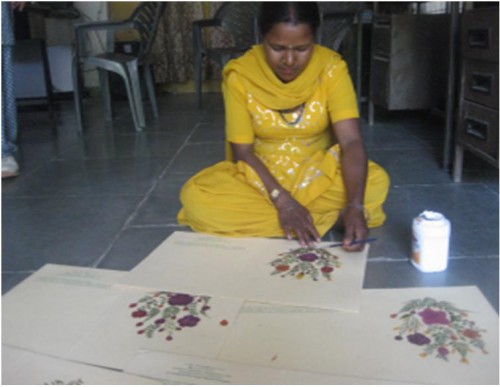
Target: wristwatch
275, 193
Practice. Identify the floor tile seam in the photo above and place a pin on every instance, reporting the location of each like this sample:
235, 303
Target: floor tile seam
206, 142
134, 213
28, 175
156, 225
131, 158
475, 257
490, 189
423, 185
73, 196
18, 271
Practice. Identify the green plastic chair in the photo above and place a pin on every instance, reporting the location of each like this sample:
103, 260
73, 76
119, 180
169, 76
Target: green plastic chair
239, 19
144, 20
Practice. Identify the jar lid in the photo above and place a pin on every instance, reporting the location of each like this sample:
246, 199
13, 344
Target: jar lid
432, 216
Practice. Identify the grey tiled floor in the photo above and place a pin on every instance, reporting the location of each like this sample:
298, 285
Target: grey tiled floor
107, 198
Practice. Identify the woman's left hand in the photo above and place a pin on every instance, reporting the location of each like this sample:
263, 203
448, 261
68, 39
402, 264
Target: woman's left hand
355, 228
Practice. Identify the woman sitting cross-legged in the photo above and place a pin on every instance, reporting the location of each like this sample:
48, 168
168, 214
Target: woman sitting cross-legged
296, 162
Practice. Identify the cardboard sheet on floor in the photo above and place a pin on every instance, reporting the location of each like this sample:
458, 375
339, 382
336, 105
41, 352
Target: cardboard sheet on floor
160, 321
29, 368
180, 369
50, 310
414, 335
257, 269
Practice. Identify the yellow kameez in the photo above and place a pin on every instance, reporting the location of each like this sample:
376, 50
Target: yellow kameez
230, 199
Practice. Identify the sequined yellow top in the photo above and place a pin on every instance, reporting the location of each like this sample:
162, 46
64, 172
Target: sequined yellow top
291, 142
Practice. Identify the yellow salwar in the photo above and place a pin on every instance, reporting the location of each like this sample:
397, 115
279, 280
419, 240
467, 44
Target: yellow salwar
230, 199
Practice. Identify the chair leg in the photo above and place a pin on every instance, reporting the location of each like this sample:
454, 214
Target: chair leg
458, 164
148, 77
197, 78
104, 81
77, 95
134, 95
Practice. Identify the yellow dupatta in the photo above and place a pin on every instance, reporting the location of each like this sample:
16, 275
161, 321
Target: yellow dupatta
267, 88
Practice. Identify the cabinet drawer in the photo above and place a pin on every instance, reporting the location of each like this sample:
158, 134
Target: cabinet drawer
481, 82
480, 34
478, 127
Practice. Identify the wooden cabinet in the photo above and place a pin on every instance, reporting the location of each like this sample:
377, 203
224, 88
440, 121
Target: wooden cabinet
477, 121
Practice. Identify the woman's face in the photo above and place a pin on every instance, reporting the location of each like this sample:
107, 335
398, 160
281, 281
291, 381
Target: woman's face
288, 49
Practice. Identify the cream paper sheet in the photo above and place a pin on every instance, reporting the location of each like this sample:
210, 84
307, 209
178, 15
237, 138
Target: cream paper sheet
29, 368
54, 307
253, 269
179, 369
371, 343
160, 321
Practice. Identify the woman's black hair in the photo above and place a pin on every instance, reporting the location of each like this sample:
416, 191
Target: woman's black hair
274, 12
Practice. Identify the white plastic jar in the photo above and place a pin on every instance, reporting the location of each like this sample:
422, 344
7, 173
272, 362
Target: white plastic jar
430, 242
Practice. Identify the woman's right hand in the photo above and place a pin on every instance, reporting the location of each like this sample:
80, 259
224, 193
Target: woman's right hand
296, 219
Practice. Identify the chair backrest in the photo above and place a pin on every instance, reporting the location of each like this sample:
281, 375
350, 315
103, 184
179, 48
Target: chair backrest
334, 28
336, 21
240, 20
146, 18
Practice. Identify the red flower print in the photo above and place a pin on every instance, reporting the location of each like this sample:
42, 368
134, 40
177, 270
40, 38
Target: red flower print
418, 339
188, 321
160, 321
180, 299
132, 305
327, 269
308, 257
282, 267
471, 334
139, 313
431, 316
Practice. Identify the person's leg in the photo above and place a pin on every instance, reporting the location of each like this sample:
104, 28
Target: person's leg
218, 200
333, 200
9, 113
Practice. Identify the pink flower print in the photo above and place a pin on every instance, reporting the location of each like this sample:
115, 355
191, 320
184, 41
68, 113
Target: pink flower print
418, 339
430, 316
180, 299
443, 351
139, 313
188, 321
308, 257
471, 334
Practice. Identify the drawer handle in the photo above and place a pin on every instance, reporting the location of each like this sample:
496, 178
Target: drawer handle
481, 83
479, 38
476, 128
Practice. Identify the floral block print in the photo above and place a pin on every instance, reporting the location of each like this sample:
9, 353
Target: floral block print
306, 262
439, 328
166, 313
